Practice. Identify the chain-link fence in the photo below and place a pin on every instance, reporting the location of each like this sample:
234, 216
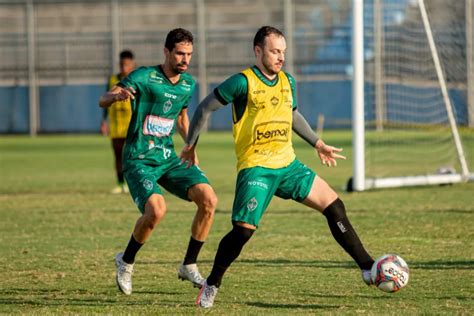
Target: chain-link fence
56, 55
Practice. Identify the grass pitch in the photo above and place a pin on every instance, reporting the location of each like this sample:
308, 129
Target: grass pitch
60, 230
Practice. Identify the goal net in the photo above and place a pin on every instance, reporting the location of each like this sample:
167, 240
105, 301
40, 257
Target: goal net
416, 93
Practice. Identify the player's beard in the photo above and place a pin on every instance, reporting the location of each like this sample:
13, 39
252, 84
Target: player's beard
268, 67
178, 71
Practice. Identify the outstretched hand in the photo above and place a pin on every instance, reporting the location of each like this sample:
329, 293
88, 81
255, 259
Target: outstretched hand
328, 154
125, 93
188, 155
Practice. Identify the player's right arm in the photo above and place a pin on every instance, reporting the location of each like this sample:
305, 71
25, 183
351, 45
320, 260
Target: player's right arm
200, 118
227, 92
117, 93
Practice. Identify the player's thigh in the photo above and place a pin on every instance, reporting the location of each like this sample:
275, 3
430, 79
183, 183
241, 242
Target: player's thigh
296, 183
142, 183
254, 190
320, 196
178, 179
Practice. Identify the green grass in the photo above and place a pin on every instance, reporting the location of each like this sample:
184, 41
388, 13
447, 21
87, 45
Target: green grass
60, 230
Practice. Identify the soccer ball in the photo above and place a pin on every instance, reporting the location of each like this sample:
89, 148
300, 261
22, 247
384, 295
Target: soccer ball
389, 273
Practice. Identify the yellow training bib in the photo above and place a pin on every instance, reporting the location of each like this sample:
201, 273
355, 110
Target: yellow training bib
120, 114
262, 136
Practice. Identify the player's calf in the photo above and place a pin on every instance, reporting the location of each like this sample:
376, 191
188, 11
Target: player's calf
229, 250
345, 234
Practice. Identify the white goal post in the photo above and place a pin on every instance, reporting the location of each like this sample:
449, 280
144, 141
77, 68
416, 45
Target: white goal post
416, 89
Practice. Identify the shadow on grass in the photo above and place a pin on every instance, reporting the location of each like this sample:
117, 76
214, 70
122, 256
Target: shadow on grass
269, 262
156, 292
81, 297
53, 291
443, 265
426, 265
386, 296
329, 264
350, 296
52, 301
456, 211
300, 263
44, 291
291, 306
43, 300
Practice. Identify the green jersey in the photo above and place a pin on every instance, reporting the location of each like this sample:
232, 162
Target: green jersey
157, 104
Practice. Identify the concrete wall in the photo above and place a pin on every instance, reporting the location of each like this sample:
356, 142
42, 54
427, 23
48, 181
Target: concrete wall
74, 108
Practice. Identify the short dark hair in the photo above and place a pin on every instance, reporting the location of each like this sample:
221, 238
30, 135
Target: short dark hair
263, 32
126, 54
177, 36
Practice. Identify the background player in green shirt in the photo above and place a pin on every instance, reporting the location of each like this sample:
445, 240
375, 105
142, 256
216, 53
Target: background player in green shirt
263, 101
160, 96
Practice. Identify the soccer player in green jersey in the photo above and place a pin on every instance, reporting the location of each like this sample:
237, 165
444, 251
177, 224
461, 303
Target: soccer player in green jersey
264, 115
160, 96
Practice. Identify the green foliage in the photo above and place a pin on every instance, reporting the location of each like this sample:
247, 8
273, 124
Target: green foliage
60, 230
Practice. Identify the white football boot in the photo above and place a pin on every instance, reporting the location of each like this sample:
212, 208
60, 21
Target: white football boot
206, 296
366, 276
124, 274
191, 273
117, 190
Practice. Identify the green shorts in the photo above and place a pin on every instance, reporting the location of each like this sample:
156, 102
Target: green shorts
143, 179
256, 186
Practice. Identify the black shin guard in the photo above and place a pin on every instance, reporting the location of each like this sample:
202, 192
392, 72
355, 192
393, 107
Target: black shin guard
229, 249
345, 234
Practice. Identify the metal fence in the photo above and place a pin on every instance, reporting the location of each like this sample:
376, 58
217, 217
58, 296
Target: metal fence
56, 55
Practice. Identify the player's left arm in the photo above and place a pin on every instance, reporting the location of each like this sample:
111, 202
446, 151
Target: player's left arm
327, 154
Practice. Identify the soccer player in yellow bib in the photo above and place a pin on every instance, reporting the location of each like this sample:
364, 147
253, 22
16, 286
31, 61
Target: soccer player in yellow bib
119, 115
264, 116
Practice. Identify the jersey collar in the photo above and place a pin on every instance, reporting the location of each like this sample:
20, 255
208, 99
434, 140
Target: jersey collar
263, 78
160, 68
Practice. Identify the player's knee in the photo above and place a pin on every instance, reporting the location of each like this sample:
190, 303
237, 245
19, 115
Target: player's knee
335, 210
211, 202
154, 216
244, 234
208, 204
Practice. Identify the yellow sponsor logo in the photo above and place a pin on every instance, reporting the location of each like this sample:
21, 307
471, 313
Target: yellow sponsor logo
274, 131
